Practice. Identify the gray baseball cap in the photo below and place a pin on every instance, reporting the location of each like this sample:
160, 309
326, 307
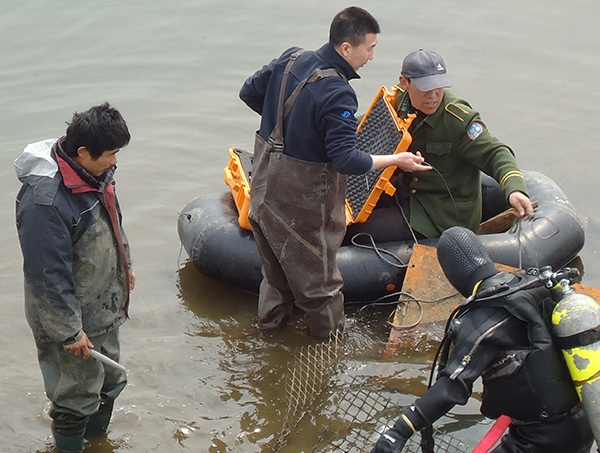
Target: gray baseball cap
426, 70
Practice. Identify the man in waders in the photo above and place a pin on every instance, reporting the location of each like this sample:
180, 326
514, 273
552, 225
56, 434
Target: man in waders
76, 269
499, 334
304, 148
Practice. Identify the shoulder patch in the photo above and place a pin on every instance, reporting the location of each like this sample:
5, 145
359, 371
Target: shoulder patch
475, 130
346, 114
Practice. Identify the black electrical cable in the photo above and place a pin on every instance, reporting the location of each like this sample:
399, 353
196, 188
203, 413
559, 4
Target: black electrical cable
447, 189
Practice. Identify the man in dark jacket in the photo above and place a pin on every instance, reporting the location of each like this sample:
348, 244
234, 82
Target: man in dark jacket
298, 191
76, 269
500, 335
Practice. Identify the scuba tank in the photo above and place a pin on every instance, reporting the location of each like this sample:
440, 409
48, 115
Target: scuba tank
576, 325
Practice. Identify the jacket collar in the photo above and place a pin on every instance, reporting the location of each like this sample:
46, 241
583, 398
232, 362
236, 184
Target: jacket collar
75, 177
330, 55
432, 120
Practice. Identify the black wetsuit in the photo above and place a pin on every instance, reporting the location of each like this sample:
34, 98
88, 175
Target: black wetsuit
505, 341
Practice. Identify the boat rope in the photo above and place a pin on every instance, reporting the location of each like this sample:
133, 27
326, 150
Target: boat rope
517, 230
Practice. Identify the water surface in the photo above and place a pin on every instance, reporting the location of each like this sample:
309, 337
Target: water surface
201, 378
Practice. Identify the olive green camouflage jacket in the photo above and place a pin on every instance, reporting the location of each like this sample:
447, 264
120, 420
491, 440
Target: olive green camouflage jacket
458, 145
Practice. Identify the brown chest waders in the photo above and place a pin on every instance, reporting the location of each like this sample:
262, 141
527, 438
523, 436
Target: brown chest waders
298, 221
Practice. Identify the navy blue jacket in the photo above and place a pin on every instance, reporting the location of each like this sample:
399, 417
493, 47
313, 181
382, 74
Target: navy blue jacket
321, 126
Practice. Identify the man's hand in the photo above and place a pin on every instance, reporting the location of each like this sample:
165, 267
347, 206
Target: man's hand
80, 347
407, 162
131, 280
522, 205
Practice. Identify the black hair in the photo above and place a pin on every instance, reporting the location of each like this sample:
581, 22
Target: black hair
100, 128
351, 25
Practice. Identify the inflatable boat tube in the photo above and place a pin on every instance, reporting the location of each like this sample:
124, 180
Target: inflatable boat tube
210, 234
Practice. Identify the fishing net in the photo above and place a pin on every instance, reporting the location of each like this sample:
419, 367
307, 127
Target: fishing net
362, 415
307, 376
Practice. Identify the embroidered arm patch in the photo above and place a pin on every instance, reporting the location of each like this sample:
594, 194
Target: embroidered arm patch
474, 130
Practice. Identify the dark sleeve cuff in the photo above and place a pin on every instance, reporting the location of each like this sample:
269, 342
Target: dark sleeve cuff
74, 339
411, 421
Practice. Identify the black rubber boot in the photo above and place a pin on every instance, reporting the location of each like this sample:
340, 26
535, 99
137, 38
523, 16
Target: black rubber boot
71, 444
98, 423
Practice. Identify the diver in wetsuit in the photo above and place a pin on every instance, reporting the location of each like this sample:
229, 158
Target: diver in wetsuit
500, 335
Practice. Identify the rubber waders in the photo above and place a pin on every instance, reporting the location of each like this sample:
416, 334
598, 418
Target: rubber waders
98, 423
71, 444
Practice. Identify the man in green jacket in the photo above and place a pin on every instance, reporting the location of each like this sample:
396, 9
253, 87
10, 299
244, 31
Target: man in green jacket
454, 141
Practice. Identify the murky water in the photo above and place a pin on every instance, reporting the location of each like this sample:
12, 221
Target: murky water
201, 378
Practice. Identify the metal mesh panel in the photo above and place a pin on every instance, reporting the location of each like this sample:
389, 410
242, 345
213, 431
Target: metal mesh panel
358, 415
361, 415
353, 425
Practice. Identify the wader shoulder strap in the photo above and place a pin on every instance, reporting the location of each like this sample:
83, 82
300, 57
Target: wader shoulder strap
317, 74
276, 137
283, 108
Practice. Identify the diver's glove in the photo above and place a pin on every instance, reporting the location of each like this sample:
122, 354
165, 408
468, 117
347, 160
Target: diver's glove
391, 441
394, 439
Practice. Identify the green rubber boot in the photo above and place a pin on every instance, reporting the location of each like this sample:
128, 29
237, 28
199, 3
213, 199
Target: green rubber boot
68, 444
